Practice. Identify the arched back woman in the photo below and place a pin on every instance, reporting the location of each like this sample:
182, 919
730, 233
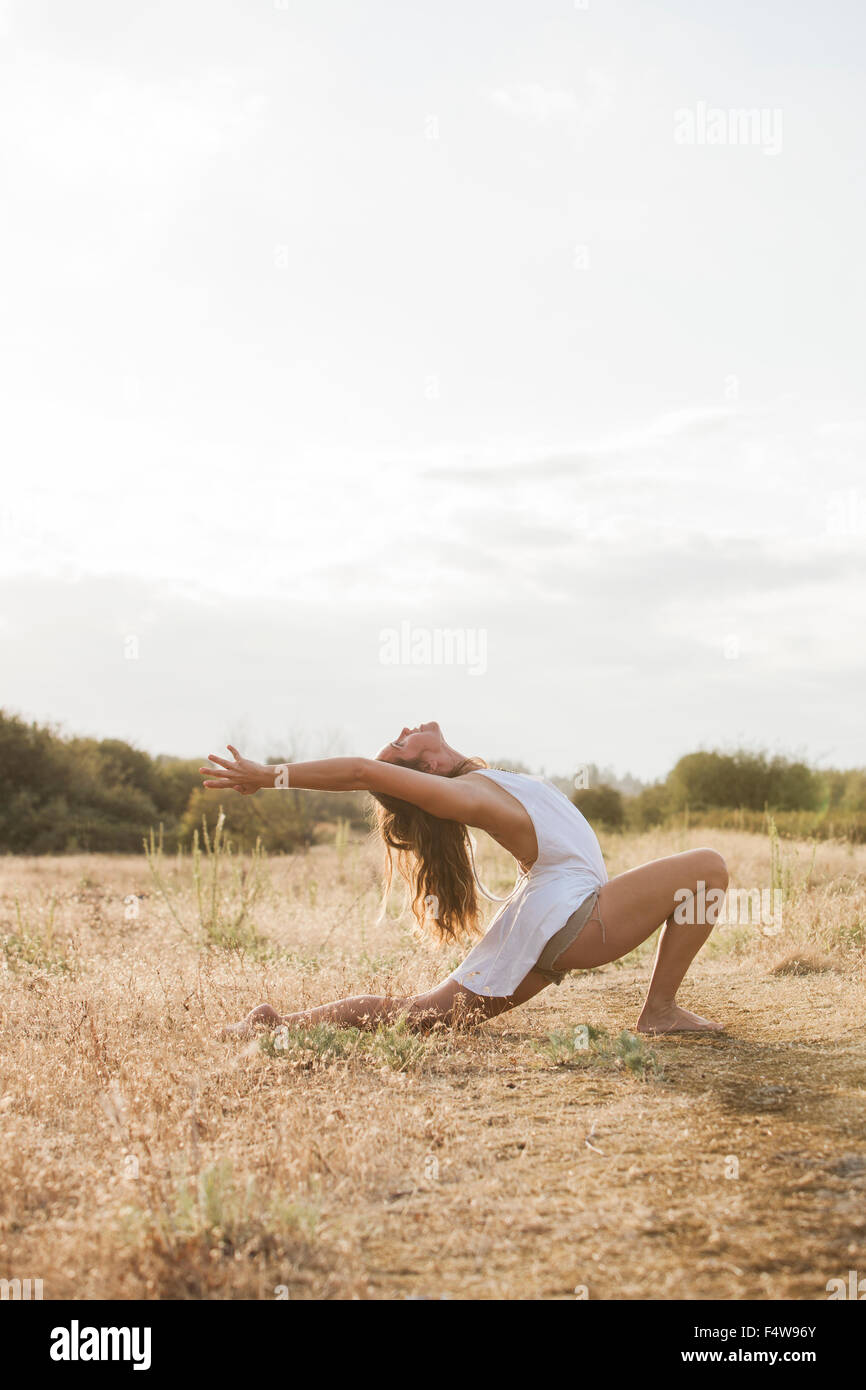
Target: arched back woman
564, 914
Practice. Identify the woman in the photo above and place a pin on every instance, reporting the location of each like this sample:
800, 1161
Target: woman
564, 914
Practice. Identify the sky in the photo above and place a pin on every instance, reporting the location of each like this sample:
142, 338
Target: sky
500, 364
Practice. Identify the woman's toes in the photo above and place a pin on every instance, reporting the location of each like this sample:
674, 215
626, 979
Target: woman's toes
676, 1020
264, 1016
235, 1030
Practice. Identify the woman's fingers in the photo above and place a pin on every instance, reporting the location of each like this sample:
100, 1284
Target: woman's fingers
223, 762
226, 776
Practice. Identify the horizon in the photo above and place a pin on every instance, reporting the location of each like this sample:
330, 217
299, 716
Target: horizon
331, 744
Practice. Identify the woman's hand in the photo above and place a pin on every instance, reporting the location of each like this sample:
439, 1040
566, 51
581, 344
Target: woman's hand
242, 775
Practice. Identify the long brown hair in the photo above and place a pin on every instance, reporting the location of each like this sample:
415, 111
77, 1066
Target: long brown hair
434, 857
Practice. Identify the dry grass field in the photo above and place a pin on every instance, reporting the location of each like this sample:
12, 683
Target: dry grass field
142, 1157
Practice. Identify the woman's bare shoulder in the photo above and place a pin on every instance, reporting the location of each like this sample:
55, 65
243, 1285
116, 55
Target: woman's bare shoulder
498, 798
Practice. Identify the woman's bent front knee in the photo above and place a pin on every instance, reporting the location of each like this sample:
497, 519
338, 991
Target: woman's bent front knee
713, 869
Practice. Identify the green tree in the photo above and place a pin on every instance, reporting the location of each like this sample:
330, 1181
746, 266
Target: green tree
650, 807
601, 805
742, 780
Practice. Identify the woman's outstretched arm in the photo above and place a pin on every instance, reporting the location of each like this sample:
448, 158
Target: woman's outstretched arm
449, 798
245, 776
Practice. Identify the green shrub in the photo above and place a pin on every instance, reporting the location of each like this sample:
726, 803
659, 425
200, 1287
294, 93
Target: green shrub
602, 806
743, 780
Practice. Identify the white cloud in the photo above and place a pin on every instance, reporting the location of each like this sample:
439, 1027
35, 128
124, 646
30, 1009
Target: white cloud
845, 431
119, 127
535, 103
540, 105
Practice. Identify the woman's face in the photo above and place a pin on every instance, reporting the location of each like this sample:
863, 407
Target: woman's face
412, 744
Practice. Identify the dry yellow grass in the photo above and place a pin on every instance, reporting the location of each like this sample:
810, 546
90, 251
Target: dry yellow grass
141, 1157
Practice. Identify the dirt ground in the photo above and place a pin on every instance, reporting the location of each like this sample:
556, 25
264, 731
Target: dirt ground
142, 1157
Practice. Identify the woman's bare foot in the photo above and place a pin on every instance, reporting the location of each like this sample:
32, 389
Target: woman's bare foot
262, 1017
670, 1018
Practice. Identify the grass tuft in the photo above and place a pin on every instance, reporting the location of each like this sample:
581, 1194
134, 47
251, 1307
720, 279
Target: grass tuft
802, 963
587, 1046
221, 1216
34, 944
323, 1044
227, 888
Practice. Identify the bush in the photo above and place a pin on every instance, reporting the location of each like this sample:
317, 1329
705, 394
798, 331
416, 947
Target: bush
743, 780
651, 807
602, 806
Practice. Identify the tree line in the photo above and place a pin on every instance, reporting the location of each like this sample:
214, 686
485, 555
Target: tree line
739, 789
66, 795
62, 794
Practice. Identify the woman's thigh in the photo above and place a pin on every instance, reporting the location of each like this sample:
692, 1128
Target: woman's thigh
451, 1001
634, 904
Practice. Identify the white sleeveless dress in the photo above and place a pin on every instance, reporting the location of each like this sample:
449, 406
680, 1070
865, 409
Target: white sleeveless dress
568, 869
